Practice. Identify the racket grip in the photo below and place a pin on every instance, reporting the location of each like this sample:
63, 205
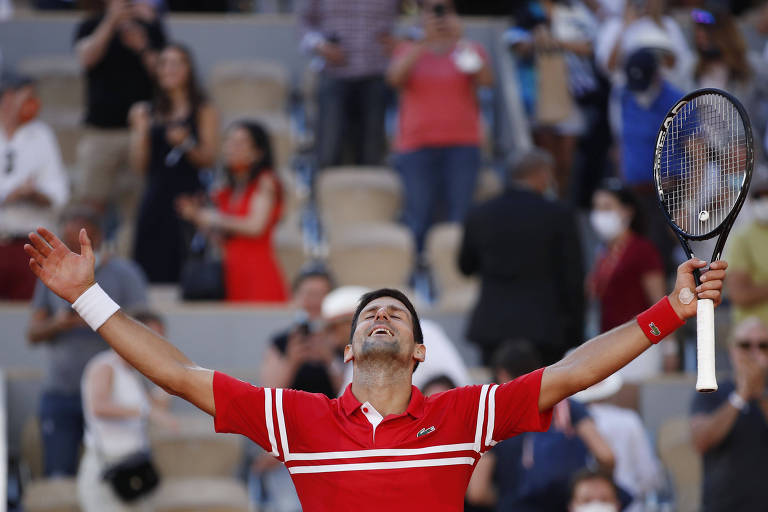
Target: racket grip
706, 381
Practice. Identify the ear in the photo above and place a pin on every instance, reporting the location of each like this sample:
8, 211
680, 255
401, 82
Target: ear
420, 352
348, 355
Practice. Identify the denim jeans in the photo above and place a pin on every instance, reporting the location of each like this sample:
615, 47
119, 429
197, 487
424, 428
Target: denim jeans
438, 184
350, 110
61, 425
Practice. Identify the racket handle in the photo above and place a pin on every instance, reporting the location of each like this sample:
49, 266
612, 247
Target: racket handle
705, 346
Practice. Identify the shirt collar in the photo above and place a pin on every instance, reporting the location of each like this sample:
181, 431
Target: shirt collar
349, 403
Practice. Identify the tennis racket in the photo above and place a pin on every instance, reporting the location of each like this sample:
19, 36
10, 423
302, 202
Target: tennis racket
702, 168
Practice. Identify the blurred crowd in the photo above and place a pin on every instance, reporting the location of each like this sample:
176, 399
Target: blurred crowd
170, 197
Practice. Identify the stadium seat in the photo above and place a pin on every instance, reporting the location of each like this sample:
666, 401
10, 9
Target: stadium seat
371, 254
201, 495
289, 248
59, 85
456, 292
682, 461
196, 450
51, 495
32, 447
488, 185
68, 136
349, 195
249, 87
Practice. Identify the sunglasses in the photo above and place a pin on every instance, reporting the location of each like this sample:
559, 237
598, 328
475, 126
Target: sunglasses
746, 345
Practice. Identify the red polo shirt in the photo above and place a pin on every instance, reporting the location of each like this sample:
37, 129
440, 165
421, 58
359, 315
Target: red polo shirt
342, 455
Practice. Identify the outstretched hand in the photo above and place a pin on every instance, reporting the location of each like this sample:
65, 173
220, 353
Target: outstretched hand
67, 274
711, 286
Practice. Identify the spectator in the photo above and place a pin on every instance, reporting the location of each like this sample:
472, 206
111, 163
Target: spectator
438, 140
117, 46
247, 210
116, 407
351, 43
171, 140
729, 426
33, 184
645, 26
628, 273
70, 343
640, 108
302, 357
593, 491
748, 282
444, 361
531, 472
721, 54
437, 385
546, 303
637, 469
565, 29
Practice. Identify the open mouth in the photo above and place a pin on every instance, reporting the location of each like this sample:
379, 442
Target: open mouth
382, 331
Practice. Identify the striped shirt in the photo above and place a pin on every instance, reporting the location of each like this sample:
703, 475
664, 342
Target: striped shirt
342, 455
356, 26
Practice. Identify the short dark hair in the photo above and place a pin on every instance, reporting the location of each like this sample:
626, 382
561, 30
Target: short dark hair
418, 336
627, 198
516, 357
586, 474
314, 268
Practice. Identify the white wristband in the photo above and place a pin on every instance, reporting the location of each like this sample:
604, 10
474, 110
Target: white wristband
737, 402
95, 306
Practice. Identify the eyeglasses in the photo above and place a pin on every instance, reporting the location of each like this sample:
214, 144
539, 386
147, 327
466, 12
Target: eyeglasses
746, 345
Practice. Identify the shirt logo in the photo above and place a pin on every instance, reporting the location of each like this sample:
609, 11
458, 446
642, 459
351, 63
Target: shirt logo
425, 431
654, 330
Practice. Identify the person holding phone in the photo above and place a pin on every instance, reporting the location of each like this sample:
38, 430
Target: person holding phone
439, 133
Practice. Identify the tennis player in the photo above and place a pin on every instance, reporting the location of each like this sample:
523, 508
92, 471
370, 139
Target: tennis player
381, 445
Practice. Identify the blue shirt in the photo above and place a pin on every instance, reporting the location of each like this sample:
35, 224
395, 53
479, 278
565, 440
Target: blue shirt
639, 129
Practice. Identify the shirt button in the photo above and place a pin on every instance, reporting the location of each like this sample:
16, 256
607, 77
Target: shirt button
365, 409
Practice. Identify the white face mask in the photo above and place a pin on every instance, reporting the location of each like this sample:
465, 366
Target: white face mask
607, 224
596, 506
760, 209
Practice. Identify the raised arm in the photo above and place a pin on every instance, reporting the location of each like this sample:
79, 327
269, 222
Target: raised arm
69, 275
601, 356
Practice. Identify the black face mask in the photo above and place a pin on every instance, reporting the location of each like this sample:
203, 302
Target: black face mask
711, 53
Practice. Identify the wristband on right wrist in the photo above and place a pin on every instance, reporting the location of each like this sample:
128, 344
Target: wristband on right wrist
95, 307
737, 402
659, 320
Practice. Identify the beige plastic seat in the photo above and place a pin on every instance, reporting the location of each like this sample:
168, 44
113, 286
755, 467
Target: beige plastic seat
51, 495
488, 185
456, 291
683, 462
248, 87
358, 194
196, 450
201, 495
59, 84
288, 244
32, 447
68, 136
371, 254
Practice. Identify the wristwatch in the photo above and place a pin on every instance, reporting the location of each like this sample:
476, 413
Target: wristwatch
737, 402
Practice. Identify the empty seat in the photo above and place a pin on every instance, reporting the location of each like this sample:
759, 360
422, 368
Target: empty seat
456, 291
201, 495
59, 84
288, 244
371, 254
68, 136
348, 195
249, 87
51, 495
682, 461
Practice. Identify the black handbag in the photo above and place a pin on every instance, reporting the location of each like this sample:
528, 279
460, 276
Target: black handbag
132, 477
202, 275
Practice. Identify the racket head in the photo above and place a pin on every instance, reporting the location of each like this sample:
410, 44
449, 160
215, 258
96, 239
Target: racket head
703, 163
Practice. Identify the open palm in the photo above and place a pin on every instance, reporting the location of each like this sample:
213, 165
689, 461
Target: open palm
67, 274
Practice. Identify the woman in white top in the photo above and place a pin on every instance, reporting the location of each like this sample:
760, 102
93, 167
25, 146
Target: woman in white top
116, 407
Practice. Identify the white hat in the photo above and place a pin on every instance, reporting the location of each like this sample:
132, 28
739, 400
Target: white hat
342, 301
603, 389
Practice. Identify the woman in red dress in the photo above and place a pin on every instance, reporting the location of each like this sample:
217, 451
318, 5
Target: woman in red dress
247, 210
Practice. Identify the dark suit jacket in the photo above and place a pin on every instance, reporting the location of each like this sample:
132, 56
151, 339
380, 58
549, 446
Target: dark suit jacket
526, 250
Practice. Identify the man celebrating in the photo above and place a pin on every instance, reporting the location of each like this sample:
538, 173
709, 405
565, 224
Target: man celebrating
382, 445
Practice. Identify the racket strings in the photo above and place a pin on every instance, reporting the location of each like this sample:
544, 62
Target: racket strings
703, 163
